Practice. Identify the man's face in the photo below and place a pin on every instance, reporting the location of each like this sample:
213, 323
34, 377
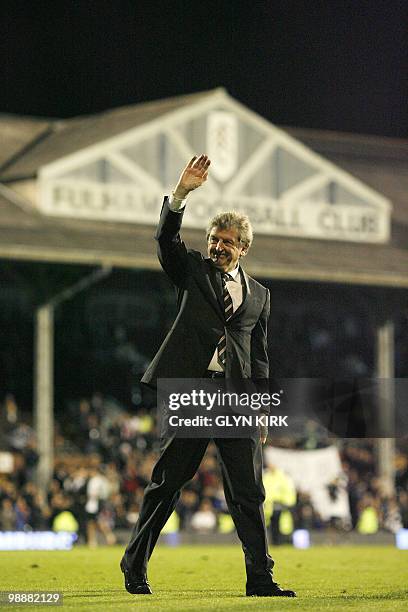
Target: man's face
224, 248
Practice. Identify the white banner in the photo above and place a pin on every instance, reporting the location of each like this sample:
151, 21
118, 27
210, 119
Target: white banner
312, 472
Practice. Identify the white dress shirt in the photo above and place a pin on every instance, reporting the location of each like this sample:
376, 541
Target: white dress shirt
176, 205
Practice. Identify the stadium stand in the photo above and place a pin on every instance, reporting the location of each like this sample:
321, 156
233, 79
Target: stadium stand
103, 464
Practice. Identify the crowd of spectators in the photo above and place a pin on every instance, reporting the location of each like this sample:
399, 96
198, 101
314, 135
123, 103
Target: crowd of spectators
103, 460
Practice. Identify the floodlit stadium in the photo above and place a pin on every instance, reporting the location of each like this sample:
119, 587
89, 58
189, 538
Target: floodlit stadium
85, 307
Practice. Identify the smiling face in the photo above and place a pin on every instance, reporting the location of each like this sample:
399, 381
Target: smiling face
225, 248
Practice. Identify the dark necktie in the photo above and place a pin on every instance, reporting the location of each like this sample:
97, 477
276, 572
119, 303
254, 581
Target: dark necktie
228, 310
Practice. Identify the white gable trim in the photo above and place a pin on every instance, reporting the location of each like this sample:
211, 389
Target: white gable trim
322, 164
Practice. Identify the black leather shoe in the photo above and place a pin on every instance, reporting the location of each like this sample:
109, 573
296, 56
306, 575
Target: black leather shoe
271, 591
136, 585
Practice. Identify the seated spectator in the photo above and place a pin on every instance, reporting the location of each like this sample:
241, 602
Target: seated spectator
187, 507
23, 514
403, 506
204, 520
8, 516
391, 515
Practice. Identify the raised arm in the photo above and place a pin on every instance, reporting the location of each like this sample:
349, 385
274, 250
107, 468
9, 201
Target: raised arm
171, 250
193, 176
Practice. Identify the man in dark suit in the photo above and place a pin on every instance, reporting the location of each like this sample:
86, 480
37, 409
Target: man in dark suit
220, 331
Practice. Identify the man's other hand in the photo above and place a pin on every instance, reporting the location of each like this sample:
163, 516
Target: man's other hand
193, 176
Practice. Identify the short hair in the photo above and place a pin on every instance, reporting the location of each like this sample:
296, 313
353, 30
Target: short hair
233, 219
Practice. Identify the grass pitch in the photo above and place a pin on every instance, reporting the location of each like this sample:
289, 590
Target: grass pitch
213, 578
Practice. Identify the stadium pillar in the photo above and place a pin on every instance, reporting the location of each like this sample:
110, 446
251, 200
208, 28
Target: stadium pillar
386, 416
43, 393
44, 374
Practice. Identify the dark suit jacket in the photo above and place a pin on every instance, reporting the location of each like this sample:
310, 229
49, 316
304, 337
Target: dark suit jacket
200, 322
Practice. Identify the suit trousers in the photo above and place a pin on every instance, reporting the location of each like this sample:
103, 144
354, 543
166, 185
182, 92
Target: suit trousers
241, 465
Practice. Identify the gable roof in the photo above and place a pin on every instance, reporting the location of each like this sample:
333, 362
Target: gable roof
68, 136
25, 233
256, 166
18, 134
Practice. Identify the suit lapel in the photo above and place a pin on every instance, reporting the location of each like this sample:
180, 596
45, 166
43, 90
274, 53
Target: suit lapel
246, 292
216, 284
212, 289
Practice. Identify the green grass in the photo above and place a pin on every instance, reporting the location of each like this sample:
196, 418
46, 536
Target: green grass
212, 578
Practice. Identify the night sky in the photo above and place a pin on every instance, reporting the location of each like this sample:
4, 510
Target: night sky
338, 65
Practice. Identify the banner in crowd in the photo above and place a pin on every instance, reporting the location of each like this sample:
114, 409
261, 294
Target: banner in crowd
318, 473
